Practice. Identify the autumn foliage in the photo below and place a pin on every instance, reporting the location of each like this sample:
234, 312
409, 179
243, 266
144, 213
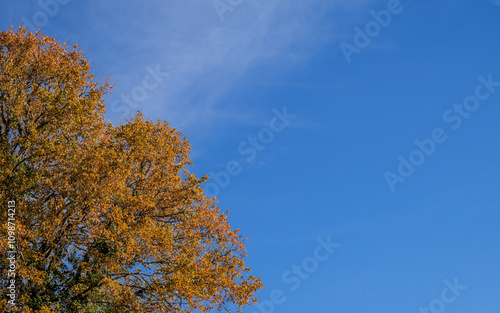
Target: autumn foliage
108, 219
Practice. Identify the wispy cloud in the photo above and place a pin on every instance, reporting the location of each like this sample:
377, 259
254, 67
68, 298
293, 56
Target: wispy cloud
204, 55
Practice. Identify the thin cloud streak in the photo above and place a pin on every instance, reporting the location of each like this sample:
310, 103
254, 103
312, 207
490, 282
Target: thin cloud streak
204, 56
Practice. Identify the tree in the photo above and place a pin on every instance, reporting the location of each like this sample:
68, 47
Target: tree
108, 218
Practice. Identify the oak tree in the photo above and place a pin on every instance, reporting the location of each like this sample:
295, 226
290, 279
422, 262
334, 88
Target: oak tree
108, 218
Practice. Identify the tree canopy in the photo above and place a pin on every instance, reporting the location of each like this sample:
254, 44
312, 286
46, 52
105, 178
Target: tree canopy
108, 218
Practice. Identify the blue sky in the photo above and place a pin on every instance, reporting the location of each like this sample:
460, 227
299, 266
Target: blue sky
365, 178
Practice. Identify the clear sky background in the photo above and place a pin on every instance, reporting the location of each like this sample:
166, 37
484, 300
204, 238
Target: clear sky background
382, 156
